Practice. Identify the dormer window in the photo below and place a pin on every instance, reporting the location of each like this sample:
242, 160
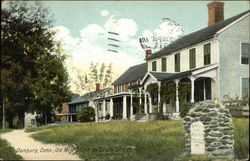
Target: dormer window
192, 58
154, 66
207, 54
177, 60
245, 51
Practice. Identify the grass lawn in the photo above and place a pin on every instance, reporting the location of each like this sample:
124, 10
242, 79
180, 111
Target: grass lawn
119, 140
6, 151
241, 137
162, 140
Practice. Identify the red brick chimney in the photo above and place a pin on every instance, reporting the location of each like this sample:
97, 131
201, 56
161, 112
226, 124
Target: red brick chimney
97, 86
215, 12
148, 52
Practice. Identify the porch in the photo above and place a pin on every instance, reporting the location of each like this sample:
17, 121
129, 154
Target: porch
142, 103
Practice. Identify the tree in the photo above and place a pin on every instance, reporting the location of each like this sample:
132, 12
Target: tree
32, 71
86, 82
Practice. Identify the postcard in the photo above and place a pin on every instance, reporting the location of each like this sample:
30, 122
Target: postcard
125, 80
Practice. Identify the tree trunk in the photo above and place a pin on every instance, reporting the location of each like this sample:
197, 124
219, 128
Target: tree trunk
3, 121
45, 118
20, 122
10, 121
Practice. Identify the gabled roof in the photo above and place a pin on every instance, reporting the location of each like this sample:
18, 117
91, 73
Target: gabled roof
133, 73
87, 96
195, 37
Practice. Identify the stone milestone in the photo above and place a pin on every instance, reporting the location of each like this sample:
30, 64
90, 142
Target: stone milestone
209, 131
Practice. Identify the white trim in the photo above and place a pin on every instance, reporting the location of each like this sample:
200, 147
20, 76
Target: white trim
232, 23
148, 73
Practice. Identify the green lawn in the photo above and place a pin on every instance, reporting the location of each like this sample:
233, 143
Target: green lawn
119, 140
162, 140
6, 151
241, 137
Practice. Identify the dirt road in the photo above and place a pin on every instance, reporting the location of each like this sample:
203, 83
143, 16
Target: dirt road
31, 149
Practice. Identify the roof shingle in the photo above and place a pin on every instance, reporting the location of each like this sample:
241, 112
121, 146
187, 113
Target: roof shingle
133, 73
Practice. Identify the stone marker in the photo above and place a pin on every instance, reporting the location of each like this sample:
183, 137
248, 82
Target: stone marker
197, 138
209, 131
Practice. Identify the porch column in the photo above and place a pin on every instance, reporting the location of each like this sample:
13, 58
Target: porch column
177, 96
104, 108
150, 103
164, 108
204, 89
192, 89
124, 113
140, 100
159, 93
145, 103
111, 108
131, 103
71, 120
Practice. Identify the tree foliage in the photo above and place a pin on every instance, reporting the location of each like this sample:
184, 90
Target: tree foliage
97, 74
33, 76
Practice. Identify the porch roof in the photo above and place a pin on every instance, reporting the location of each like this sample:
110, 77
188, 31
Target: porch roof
113, 96
161, 76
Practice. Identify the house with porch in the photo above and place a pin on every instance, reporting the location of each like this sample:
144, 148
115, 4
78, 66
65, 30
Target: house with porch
85, 100
213, 60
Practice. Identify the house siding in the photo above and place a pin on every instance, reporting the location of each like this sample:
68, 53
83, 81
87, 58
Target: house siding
184, 57
231, 70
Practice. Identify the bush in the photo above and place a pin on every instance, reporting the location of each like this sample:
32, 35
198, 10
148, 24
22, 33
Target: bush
87, 114
184, 109
107, 116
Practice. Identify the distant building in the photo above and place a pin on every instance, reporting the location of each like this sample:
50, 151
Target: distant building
86, 100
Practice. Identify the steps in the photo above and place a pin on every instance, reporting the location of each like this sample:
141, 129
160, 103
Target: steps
142, 119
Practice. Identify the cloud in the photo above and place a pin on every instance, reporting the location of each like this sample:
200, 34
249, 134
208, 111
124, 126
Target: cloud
104, 13
161, 36
126, 28
92, 44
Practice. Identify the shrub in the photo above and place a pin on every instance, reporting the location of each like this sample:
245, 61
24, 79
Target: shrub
107, 116
184, 109
87, 114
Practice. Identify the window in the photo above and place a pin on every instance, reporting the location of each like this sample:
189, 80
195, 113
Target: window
154, 66
245, 86
245, 50
192, 58
177, 62
164, 64
207, 53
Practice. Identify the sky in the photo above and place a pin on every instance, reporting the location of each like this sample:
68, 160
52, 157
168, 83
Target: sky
83, 28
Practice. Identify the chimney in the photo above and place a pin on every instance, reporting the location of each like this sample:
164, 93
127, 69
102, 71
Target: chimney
148, 52
97, 86
215, 12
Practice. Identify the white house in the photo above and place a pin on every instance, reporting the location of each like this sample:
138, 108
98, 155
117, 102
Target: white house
215, 60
